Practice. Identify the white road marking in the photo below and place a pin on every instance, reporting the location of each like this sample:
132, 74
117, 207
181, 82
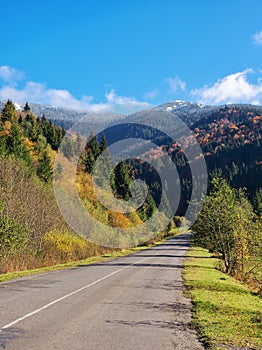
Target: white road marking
68, 295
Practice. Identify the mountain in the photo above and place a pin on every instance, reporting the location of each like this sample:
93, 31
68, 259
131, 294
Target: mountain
189, 112
229, 137
66, 117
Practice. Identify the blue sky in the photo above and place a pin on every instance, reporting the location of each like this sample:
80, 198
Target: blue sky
85, 54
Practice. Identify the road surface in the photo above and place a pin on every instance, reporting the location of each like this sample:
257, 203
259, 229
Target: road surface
129, 303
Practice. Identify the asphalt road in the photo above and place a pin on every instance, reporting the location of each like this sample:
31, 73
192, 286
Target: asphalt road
129, 303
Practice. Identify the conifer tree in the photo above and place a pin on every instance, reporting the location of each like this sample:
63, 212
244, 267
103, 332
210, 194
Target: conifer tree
103, 143
89, 161
92, 151
258, 202
14, 140
122, 180
8, 113
26, 107
45, 167
67, 148
94, 146
106, 163
2, 142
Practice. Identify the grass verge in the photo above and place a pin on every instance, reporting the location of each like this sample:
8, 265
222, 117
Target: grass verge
225, 313
88, 261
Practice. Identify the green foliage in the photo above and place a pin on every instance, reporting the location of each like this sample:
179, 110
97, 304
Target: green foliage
103, 144
226, 314
52, 134
227, 226
122, 180
258, 202
67, 148
27, 138
15, 142
45, 168
8, 113
91, 153
147, 209
26, 107
58, 170
14, 237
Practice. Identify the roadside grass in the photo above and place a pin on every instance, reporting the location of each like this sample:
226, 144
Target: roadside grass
225, 313
91, 260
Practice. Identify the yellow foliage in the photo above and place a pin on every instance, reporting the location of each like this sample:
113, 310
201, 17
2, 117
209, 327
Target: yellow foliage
68, 246
30, 146
7, 125
118, 220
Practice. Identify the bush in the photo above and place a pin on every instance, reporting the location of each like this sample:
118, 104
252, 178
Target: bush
14, 238
66, 246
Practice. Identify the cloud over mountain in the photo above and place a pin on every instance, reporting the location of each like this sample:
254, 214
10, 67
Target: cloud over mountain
39, 93
234, 88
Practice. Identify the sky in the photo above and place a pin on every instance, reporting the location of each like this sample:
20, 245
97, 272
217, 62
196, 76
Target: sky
87, 54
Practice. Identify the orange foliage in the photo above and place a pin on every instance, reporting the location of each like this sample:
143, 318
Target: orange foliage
118, 220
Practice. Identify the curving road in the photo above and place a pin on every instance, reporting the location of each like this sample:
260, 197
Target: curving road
129, 303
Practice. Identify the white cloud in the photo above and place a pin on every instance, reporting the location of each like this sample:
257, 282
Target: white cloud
257, 38
9, 74
150, 95
175, 84
234, 88
39, 93
113, 99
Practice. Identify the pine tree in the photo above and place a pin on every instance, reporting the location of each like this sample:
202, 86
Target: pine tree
258, 202
67, 148
8, 113
14, 140
94, 146
26, 107
45, 168
40, 144
89, 161
92, 151
2, 142
147, 209
150, 206
78, 145
103, 143
122, 180
52, 136
106, 163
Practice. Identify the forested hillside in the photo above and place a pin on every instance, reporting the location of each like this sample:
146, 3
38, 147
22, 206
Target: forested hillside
32, 230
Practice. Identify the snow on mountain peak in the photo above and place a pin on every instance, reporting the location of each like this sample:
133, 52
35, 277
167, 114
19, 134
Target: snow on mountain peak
17, 107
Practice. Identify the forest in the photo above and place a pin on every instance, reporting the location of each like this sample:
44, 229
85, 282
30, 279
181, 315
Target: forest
33, 232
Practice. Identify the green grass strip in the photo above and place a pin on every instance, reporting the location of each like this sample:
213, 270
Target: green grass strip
226, 314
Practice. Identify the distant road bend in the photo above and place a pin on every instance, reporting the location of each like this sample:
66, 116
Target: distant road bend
129, 303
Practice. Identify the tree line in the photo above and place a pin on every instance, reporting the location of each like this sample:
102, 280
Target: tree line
29, 138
